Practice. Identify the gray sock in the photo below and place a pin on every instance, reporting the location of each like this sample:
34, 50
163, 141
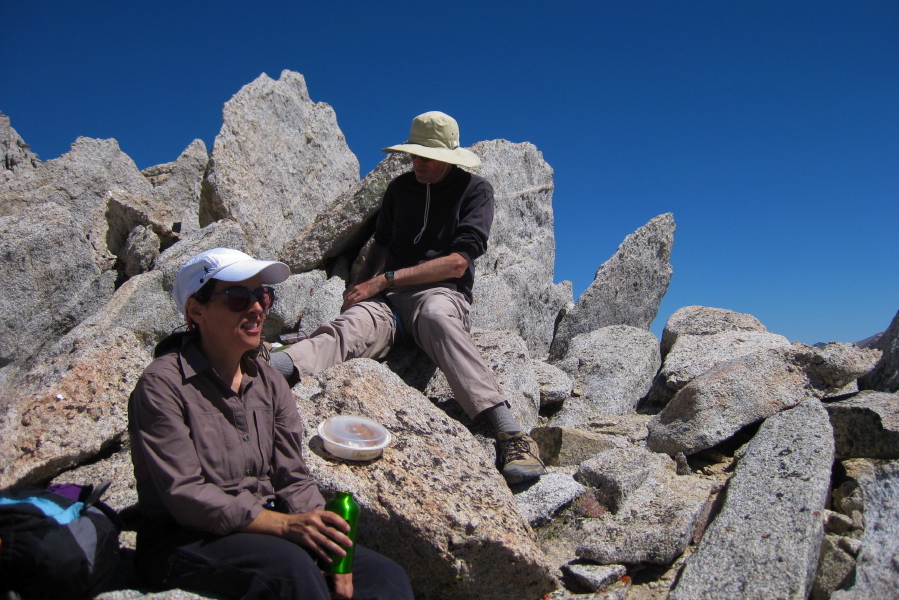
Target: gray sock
281, 361
502, 419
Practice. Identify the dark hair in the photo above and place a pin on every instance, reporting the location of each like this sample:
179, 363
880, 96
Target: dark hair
204, 294
173, 340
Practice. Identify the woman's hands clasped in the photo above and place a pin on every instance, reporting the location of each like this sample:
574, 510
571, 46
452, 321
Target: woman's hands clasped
321, 531
318, 531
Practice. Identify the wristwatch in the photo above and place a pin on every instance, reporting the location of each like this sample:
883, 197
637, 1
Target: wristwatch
391, 277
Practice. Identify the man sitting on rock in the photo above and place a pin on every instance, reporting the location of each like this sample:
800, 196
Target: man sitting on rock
417, 279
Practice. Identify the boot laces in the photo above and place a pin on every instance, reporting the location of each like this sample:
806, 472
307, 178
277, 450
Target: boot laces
517, 449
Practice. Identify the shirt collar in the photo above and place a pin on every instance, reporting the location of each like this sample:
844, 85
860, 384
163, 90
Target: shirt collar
193, 361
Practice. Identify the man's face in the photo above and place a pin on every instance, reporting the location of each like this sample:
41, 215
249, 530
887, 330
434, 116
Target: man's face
428, 170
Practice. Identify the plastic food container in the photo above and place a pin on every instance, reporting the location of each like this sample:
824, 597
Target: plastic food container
354, 437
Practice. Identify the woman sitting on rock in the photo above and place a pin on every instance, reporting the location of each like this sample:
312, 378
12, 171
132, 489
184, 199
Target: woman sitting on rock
216, 443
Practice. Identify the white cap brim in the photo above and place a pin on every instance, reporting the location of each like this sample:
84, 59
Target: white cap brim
270, 271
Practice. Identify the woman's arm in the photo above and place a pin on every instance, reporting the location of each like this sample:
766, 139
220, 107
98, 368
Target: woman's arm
318, 530
164, 453
321, 531
294, 488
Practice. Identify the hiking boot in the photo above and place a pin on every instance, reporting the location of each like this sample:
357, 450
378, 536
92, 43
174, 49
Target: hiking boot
519, 457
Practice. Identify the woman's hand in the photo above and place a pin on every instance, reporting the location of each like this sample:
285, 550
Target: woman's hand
319, 530
343, 586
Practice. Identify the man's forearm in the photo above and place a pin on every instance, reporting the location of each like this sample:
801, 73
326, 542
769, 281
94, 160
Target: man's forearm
433, 271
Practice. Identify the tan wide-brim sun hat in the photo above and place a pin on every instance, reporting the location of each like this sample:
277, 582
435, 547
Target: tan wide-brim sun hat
435, 135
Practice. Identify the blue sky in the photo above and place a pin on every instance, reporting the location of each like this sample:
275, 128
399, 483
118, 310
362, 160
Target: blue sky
770, 129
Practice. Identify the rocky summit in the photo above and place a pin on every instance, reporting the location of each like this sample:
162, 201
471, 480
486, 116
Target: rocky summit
720, 462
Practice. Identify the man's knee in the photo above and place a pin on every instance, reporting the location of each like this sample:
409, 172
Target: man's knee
440, 311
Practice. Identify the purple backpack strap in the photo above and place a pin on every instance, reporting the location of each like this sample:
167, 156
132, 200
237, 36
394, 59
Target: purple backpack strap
72, 491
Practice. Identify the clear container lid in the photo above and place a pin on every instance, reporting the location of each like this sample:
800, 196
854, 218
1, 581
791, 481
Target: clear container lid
354, 431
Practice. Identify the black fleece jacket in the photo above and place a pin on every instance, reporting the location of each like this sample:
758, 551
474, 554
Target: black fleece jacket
458, 219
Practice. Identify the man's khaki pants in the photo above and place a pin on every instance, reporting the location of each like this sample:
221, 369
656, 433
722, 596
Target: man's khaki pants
437, 319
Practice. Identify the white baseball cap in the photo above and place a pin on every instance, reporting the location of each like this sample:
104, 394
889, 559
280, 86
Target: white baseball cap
224, 264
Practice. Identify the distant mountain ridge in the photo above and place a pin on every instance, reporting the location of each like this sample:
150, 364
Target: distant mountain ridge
868, 342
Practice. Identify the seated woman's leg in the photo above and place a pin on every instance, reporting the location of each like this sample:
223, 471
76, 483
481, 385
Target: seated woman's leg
376, 577
244, 566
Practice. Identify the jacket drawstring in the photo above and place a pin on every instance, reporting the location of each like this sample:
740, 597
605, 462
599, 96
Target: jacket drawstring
427, 208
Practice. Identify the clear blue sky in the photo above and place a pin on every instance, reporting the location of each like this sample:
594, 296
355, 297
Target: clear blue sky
770, 129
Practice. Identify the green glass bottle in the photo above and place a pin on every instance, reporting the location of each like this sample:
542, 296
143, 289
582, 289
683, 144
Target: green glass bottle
343, 504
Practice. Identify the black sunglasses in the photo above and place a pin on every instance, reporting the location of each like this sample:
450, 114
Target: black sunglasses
239, 297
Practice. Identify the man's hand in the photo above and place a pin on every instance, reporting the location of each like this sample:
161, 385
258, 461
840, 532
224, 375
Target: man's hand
364, 291
343, 586
432, 271
319, 530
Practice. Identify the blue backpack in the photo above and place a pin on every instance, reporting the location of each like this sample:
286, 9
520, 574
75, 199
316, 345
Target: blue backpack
59, 542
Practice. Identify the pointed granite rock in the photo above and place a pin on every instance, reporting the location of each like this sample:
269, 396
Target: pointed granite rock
627, 289
514, 287
278, 161
766, 540
179, 183
885, 376
15, 155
